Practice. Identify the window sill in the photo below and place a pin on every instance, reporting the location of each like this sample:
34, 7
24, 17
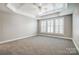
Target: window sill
59, 34
56, 36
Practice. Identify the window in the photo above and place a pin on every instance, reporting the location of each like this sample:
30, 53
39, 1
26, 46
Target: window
53, 26
43, 26
49, 26
59, 25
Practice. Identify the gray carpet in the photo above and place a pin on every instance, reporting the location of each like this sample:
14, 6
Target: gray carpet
39, 45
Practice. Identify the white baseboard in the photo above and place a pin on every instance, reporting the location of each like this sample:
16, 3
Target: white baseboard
76, 45
6, 41
56, 36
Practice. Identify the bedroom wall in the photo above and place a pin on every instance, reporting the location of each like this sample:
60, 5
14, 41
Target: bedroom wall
13, 26
68, 26
0, 29
76, 26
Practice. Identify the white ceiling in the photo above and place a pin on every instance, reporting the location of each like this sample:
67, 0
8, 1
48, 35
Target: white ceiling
27, 9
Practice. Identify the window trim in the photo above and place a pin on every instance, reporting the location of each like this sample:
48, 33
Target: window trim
54, 33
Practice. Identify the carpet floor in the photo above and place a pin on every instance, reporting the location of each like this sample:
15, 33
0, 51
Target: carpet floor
39, 45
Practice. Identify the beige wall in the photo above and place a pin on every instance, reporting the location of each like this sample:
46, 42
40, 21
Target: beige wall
76, 26
68, 26
14, 26
0, 29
